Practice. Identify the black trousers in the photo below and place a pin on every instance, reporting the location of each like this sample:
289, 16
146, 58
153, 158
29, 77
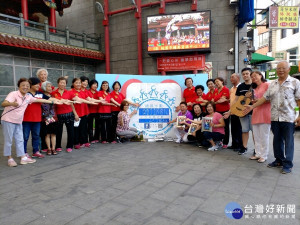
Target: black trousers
199, 137
81, 132
106, 126
93, 135
70, 133
43, 135
236, 132
114, 120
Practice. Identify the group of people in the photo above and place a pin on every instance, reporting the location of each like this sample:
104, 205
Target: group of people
89, 116
254, 105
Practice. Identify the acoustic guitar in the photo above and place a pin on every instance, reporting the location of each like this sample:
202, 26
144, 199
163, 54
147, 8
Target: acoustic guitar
238, 107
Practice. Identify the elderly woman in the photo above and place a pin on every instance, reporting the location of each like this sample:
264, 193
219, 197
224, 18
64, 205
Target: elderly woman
123, 128
221, 99
93, 117
15, 105
201, 100
196, 135
49, 123
81, 111
118, 97
217, 124
211, 90
105, 113
66, 114
261, 118
33, 118
42, 74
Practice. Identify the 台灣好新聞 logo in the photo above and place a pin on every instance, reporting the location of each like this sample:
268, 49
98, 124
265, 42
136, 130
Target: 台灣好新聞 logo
233, 210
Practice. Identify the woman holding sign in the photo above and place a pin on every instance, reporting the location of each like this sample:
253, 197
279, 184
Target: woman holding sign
195, 133
213, 130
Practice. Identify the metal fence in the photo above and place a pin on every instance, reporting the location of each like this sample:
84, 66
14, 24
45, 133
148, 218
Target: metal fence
20, 26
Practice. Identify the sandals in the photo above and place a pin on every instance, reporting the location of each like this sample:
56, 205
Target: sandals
54, 152
51, 152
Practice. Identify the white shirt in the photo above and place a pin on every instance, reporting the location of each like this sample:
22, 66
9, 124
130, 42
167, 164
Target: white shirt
283, 99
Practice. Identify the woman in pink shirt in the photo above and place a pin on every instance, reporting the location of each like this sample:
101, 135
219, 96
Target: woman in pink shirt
261, 118
217, 134
15, 105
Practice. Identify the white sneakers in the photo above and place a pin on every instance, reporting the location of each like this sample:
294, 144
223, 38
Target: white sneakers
25, 160
178, 140
11, 163
213, 148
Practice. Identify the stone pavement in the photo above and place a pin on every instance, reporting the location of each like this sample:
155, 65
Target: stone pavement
144, 183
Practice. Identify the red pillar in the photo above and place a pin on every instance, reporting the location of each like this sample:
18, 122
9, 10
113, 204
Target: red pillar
162, 7
139, 36
194, 5
52, 21
106, 37
24, 5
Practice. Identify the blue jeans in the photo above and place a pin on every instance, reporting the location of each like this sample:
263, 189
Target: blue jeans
34, 127
283, 142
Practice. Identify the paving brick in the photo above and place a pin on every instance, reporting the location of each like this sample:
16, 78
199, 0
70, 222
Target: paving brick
182, 207
170, 192
20, 217
190, 177
99, 215
203, 218
141, 211
131, 182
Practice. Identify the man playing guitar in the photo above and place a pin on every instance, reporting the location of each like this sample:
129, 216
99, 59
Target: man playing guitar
243, 90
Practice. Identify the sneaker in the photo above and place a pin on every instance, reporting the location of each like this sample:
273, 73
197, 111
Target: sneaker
113, 142
286, 170
96, 141
93, 142
178, 140
87, 145
27, 155
59, 149
26, 160
219, 144
261, 160
69, 150
242, 151
213, 148
77, 146
38, 155
274, 165
44, 150
224, 146
11, 163
104, 142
